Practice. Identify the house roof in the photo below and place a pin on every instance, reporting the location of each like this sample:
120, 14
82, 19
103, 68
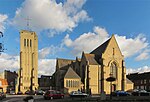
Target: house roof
129, 81
71, 74
99, 50
63, 62
91, 59
138, 76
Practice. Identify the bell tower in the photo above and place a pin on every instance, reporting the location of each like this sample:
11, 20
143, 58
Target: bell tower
28, 73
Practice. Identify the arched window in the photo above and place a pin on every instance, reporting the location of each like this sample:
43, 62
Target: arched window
75, 83
70, 83
30, 42
24, 42
27, 42
113, 70
67, 83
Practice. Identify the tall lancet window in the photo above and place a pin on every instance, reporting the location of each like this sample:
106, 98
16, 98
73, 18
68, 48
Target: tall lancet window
113, 70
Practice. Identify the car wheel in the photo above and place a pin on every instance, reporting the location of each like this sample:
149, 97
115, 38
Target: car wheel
62, 96
45, 98
51, 98
139, 94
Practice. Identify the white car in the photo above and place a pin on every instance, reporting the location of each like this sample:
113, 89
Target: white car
78, 94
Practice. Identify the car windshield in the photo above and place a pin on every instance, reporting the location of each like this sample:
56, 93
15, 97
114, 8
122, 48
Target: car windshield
58, 92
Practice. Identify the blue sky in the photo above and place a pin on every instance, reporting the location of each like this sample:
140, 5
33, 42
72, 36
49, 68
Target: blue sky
62, 24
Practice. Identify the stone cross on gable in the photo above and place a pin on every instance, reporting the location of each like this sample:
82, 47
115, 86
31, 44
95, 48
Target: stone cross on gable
28, 23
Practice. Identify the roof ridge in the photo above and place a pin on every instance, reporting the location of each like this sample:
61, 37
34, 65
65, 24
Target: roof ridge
71, 73
101, 47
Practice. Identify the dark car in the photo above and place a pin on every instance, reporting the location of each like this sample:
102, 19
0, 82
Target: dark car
52, 94
30, 92
2, 95
78, 94
120, 93
19, 93
140, 92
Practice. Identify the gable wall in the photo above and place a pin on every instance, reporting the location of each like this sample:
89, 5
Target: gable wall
110, 56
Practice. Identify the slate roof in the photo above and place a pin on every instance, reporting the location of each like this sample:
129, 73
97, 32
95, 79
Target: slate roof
63, 62
91, 59
138, 76
71, 74
99, 50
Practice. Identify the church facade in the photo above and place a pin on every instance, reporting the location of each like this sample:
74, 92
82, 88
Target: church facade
93, 69
28, 72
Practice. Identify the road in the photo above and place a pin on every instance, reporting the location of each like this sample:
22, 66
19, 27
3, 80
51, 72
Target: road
39, 98
19, 98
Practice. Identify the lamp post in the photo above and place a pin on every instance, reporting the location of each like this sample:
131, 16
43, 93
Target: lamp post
110, 79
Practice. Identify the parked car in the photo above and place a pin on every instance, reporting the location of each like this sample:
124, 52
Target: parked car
140, 92
39, 92
51, 94
19, 93
12, 93
120, 93
30, 92
78, 94
2, 95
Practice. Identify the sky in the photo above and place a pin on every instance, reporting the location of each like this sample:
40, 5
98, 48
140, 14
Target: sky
66, 28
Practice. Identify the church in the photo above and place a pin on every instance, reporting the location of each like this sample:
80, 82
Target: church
89, 73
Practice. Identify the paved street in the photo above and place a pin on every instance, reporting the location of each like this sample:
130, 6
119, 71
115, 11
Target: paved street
39, 98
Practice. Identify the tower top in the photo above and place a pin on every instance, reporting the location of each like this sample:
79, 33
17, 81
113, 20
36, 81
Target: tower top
28, 23
113, 35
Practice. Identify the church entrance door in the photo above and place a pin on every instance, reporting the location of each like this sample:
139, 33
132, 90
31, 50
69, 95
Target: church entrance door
113, 87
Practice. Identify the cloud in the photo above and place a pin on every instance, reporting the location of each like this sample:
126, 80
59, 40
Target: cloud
46, 66
50, 15
9, 62
12, 63
143, 56
132, 46
82, 42
47, 51
139, 70
88, 41
3, 18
